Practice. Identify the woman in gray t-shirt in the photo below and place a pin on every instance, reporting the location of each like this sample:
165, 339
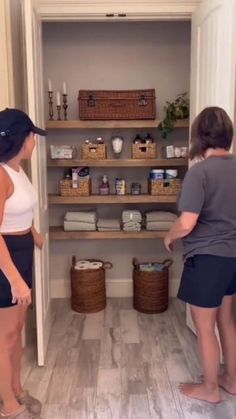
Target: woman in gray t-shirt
207, 226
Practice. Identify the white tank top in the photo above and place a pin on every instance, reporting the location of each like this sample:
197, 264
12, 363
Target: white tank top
19, 208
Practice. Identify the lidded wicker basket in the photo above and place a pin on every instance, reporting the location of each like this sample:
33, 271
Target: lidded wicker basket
88, 288
151, 289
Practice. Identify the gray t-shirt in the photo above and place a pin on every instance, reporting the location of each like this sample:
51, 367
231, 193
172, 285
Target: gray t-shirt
209, 189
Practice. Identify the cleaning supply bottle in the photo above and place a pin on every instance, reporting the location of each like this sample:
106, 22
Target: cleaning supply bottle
104, 187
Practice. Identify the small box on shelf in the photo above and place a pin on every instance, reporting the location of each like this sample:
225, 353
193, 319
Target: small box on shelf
144, 151
94, 151
164, 186
84, 187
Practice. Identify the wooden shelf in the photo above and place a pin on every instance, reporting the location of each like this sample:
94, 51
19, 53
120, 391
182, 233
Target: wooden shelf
77, 124
57, 233
119, 163
112, 199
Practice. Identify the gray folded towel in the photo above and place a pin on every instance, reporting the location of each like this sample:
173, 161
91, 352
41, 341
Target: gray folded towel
76, 226
160, 216
82, 216
132, 226
109, 229
108, 223
129, 215
159, 225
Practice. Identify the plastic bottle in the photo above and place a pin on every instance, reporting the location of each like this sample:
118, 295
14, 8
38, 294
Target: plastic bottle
104, 187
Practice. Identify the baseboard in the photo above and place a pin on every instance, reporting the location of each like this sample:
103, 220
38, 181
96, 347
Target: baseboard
60, 288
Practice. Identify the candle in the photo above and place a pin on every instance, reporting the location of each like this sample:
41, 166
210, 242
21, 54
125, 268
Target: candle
64, 88
50, 85
58, 99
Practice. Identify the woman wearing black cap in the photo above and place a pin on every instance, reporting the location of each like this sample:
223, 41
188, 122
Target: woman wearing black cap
17, 239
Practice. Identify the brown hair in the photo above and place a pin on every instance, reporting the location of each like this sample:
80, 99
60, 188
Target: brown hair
212, 128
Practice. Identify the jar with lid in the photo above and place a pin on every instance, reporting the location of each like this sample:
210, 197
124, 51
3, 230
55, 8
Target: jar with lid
157, 174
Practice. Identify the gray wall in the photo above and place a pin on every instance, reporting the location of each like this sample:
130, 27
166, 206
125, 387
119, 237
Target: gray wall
114, 56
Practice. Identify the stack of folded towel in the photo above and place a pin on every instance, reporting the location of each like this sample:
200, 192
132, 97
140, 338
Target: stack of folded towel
159, 220
108, 224
131, 220
80, 221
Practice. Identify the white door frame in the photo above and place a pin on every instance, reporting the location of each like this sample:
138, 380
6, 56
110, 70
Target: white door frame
60, 10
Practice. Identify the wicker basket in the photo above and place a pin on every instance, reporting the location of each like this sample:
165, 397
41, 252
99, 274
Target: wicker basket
120, 104
164, 187
84, 187
88, 288
144, 151
94, 151
151, 289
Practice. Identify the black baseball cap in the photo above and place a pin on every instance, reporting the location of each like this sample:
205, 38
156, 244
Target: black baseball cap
14, 122
15, 126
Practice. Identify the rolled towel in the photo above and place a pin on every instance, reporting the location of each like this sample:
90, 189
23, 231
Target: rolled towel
159, 225
76, 226
82, 216
160, 216
129, 215
132, 226
108, 223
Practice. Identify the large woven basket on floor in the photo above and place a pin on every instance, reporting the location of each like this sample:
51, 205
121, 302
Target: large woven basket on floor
88, 288
151, 289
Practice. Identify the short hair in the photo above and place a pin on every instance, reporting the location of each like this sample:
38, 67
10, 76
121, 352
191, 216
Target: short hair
212, 128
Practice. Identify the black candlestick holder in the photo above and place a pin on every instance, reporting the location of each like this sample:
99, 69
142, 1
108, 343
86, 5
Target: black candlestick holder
50, 103
59, 112
65, 106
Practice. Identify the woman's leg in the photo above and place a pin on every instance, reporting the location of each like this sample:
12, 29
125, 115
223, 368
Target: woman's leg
9, 332
209, 351
227, 331
17, 355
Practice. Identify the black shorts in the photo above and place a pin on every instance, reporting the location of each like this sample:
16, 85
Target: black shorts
206, 279
21, 249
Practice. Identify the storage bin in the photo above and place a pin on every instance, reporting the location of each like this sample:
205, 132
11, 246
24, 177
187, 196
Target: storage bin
84, 187
62, 152
144, 151
164, 187
88, 288
151, 289
117, 104
94, 151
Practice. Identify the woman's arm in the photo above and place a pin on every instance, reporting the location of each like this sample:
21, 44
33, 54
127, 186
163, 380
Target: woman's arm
21, 293
181, 228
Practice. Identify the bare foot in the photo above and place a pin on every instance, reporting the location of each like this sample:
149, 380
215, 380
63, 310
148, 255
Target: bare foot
228, 384
201, 392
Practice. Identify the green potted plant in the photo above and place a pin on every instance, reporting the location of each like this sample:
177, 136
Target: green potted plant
178, 109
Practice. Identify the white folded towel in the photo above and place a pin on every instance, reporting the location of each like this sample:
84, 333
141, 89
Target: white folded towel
159, 225
76, 226
82, 216
160, 216
108, 223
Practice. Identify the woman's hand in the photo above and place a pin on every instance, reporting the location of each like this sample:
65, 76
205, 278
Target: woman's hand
21, 293
38, 238
169, 243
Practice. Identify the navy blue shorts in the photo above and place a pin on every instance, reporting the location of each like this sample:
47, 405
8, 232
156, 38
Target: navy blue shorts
21, 249
206, 279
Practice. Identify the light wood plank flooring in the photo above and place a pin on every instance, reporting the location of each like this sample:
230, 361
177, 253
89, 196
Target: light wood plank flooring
119, 364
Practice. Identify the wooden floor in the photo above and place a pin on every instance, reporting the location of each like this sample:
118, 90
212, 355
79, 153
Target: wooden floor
119, 364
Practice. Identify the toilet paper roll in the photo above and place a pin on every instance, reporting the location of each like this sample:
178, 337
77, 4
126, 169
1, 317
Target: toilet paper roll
95, 265
82, 264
